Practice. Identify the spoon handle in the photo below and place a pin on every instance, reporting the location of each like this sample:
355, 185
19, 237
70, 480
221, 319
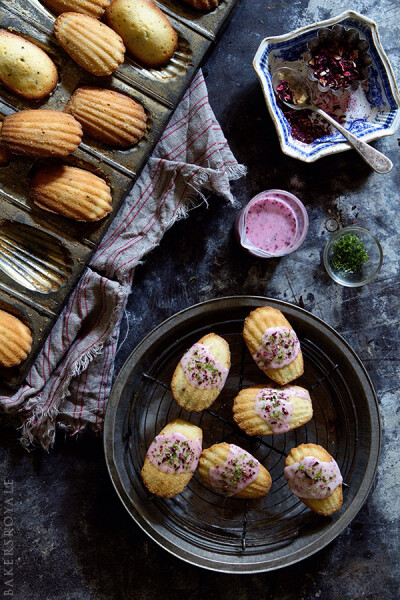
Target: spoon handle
378, 161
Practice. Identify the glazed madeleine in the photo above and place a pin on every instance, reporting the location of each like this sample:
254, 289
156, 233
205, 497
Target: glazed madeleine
231, 471
108, 116
25, 69
41, 133
146, 31
93, 8
273, 344
202, 4
71, 192
15, 340
267, 409
4, 153
93, 45
172, 458
201, 373
314, 476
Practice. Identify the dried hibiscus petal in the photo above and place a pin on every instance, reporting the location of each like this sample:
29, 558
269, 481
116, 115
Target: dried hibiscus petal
335, 67
304, 126
284, 92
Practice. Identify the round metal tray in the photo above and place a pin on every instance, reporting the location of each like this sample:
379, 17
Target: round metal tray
232, 535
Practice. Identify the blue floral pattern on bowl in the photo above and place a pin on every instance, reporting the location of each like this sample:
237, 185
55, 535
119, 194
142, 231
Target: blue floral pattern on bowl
371, 112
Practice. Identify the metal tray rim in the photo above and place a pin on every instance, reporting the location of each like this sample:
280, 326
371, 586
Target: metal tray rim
184, 550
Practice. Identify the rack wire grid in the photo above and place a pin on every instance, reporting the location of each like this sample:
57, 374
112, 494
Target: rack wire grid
231, 534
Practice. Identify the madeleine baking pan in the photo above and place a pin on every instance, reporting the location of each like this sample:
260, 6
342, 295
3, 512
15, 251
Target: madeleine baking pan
228, 534
42, 255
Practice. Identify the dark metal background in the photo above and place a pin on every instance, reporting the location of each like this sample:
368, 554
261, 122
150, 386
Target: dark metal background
233, 535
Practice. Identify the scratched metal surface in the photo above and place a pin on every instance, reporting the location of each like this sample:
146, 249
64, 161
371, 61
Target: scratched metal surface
73, 539
65, 245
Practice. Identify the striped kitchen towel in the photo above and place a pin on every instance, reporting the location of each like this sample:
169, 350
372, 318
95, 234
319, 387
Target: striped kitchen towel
69, 383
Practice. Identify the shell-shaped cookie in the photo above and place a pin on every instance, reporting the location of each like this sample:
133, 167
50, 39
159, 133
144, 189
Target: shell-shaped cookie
196, 385
71, 192
255, 325
246, 417
41, 133
146, 31
326, 506
166, 484
108, 116
93, 45
93, 8
15, 340
202, 4
216, 457
25, 69
4, 153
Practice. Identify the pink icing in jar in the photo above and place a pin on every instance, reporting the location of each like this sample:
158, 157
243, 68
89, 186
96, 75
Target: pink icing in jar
274, 223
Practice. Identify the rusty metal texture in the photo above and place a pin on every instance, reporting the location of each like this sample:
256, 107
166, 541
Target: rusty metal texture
42, 254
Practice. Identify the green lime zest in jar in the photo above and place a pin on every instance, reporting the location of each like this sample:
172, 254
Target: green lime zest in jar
349, 254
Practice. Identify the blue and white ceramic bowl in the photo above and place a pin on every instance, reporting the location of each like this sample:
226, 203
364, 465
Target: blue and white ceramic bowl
371, 112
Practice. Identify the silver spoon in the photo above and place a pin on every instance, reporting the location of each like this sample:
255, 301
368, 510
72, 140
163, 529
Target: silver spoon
302, 98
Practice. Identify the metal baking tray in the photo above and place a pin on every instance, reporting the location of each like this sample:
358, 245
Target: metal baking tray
42, 255
228, 534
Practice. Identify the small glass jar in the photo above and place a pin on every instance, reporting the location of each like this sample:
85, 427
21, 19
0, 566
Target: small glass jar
274, 223
368, 270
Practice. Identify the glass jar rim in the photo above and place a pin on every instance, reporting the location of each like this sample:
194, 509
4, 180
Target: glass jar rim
294, 204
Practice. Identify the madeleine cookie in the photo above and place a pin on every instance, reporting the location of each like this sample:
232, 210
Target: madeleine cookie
71, 192
25, 69
108, 116
15, 340
147, 33
202, 4
172, 458
264, 410
4, 153
314, 476
93, 8
41, 133
91, 44
201, 373
231, 471
273, 344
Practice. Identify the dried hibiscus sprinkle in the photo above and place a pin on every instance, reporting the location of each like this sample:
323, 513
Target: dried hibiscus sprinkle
335, 68
304, 125
284, 92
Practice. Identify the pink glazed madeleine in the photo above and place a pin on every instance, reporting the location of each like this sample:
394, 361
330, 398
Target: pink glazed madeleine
172, 458
231, 471
268, 409
314, 476
201, 373
273, 344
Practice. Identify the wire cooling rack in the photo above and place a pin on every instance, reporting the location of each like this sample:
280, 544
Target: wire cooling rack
230, 534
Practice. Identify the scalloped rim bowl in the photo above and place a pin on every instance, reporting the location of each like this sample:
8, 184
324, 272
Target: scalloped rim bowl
376, 112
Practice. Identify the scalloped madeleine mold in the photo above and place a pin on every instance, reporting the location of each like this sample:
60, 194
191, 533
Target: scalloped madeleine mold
33, 258
371, 112
176, 66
